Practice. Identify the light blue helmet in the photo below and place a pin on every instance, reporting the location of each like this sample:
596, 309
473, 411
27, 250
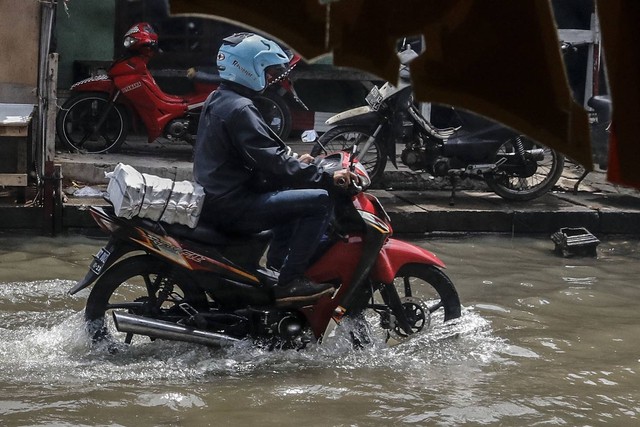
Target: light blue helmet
243, 58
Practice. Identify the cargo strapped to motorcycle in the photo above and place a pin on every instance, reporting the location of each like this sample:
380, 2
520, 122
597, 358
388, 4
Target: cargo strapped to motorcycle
159, 199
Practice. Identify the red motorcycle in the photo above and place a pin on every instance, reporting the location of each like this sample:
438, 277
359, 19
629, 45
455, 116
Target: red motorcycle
97, 117
199, 285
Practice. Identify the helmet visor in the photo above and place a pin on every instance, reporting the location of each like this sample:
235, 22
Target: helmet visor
276, 73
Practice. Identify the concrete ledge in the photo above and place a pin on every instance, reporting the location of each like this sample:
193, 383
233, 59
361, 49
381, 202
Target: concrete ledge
415, 203
415, 212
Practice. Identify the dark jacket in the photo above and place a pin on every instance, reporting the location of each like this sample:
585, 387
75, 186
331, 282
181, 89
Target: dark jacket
236, 154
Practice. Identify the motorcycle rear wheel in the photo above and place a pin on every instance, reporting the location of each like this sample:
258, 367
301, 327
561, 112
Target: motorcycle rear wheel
343, 138
141, 285
527, 186
80, 114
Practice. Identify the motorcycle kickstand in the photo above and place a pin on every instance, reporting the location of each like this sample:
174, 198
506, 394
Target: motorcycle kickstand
582, 177
453, 179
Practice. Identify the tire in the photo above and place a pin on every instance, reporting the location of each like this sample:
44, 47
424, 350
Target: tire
78, 116
421, 280
422, 292
527, 182
275, 112
344, 137
134, 284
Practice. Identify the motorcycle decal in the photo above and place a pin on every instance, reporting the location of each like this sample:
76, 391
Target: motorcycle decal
185, 257
131, 87
375, 222
98, 78
161, 247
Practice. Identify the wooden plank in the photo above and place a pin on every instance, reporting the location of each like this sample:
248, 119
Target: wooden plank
13, 130
13, 179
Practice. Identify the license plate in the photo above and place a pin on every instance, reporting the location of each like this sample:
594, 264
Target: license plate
99, 260
374, 98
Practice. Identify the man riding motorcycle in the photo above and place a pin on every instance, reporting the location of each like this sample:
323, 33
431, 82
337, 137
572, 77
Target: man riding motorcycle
252, 182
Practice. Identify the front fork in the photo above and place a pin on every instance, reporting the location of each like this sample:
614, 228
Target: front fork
392, 300
370, 141
102, 119
392, 306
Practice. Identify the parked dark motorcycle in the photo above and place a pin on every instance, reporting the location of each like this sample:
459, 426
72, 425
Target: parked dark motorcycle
203, 286
97, 116
512, 165
600, 133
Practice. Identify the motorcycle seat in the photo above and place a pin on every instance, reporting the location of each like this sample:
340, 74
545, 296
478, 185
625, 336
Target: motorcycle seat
209, 235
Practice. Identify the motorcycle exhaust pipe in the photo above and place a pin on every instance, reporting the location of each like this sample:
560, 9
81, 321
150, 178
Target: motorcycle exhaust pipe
130, 323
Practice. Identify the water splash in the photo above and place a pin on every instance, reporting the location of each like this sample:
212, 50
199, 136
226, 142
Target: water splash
43, 339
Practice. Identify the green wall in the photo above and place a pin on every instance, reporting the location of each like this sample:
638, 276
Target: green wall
85, 33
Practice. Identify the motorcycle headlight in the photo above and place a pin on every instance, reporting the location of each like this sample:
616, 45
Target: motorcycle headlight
129, 41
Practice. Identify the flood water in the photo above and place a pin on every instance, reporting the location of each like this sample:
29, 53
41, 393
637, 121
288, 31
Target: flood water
543, 340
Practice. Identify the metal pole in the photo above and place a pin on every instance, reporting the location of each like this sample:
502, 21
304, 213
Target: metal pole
44, 157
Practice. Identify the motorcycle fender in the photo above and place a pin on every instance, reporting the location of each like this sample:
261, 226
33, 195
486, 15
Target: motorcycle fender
395, 254
99, 83
354, 115
105, 258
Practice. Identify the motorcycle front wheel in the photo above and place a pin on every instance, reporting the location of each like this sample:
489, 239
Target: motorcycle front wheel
521, 177
89, 123
420, 291
343, 138
144, 286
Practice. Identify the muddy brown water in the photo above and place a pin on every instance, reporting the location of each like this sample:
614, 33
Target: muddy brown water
543, 340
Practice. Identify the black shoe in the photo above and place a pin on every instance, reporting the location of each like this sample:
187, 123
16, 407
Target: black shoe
300, 291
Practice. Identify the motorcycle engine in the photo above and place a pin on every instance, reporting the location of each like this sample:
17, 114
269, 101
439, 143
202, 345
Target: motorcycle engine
177, 129
441, 166
414, 158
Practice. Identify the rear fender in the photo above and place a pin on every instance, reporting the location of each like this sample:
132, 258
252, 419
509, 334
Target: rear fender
395, 254
114, 250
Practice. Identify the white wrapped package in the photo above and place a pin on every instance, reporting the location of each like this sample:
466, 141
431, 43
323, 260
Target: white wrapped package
149, 196
125, 190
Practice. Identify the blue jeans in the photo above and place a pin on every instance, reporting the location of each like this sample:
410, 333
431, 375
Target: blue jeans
299, 220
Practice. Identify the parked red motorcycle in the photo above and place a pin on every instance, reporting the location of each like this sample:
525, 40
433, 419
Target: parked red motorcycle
97, 117
199, 285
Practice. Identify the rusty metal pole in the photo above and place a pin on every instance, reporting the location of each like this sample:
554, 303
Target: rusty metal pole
47, 101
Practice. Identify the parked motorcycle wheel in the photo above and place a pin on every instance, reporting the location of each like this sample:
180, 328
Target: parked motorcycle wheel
529, 180
275, 112
415, 285
342, 138
139, 285
79, 116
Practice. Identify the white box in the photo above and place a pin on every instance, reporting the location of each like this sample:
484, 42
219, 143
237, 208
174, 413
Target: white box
148, 196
